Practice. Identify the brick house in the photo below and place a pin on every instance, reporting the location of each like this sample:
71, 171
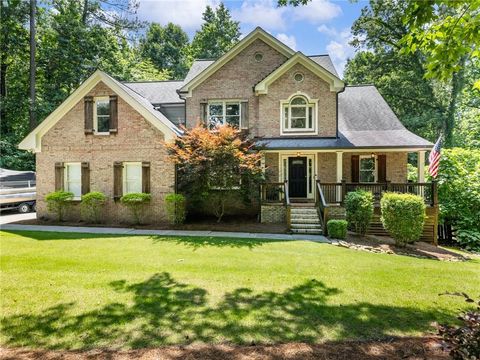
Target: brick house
320, 138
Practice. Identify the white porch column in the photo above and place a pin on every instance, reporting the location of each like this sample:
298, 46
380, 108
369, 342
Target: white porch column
339, 173
421, 169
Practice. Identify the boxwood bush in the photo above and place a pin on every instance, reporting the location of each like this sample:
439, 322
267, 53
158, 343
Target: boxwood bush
136, 203
359, 208
403, 216
176, 208
58, 202
92, 205
337, 229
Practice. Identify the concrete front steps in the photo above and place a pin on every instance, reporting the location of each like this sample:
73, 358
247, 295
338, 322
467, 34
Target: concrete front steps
304, 219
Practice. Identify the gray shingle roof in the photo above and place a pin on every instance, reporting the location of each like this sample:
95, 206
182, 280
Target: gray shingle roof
325, 62
197, 67
157, 92
364, 120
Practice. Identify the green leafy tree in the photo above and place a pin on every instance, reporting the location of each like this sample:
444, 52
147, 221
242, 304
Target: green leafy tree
217, 34
167, 48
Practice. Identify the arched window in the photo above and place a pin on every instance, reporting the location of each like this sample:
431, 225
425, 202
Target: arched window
298, 114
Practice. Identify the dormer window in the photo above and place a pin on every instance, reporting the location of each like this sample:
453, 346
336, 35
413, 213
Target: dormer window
298, 115
101, 115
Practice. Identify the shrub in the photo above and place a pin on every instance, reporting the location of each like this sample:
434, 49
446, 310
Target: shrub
58, 202
464, 340
469, 239
359, 207
403, 216
337, 229
176, 208
136, 203
91, 206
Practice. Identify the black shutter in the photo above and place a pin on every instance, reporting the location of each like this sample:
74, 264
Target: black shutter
59, 173
85, 178
113, 126
88, 108
382, 168
117, 180
355, 168
244, 114
203, 113
146, 177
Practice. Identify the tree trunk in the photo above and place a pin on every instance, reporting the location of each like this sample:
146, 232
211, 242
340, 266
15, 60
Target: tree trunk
458, 82
33, 11
85, 12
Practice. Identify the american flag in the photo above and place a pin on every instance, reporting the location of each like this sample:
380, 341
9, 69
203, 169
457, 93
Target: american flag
434, 158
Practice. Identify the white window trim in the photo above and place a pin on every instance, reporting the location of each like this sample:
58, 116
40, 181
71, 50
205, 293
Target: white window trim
224, 108
124, 175
283, 173
310, 103
95, 117
65, 178
375, 170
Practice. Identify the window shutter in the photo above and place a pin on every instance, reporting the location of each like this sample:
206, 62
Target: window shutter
85, 178
146, 177
117, 180
59, 173
203, 112
88, 107
355, 168
382, 168
244, 112
113, 114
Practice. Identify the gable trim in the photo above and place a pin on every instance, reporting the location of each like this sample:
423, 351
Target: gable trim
33, 141
336, 84
258, 33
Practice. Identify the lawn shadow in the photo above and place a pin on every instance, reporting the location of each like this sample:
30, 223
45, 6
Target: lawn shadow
55, 235
196, 242
164, 311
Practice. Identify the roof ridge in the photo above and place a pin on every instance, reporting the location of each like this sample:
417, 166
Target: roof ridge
360, 85
318, 55
150, 81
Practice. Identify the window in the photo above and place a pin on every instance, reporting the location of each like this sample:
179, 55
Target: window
258, 56
367, 169
102, 115
73, 179
298, 115
132, 177
298, 77
224, 112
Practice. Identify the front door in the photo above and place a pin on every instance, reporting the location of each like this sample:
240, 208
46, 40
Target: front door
297, 177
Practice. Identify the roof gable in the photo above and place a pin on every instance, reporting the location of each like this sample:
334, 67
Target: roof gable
336, 84
32, 141
258, 33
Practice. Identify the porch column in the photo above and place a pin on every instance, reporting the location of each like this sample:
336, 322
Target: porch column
421, 169
339, 174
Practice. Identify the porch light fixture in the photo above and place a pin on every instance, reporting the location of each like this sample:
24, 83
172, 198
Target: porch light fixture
373, 156
299, 154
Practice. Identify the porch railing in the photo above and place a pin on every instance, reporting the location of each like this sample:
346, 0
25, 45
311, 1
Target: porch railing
322, 207
335, 193
273, 192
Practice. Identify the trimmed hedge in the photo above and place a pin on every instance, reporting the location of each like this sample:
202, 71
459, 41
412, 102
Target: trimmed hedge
136, 203
58, 202
403, 216
359, 208
337, 229
176, 208
92, 205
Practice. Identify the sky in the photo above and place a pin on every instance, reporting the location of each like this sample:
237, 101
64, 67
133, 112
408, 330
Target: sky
322, 26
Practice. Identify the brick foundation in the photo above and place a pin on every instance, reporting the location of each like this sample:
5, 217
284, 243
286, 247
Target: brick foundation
273, 214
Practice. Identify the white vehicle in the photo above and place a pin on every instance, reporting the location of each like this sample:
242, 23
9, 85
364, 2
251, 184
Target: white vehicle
17, 190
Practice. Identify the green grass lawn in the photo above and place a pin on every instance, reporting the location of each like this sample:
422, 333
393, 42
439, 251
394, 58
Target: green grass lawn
83, 291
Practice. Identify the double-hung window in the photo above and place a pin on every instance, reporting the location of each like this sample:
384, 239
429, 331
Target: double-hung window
102, 115
366, 167
73, 179
224, 112
298, 115
132, 177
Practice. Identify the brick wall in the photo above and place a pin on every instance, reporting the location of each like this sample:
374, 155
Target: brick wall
326, 167
137, 140
271, 167
273, 214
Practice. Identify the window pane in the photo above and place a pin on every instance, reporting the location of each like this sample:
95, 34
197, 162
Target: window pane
298, 123
367, 176
299, 112
310, 117
133, 178
285, 116
74, 179
103, 123
367, 170
215, 109
103, 107
215, 121
367, 164
298, 101
232, 109
233, 121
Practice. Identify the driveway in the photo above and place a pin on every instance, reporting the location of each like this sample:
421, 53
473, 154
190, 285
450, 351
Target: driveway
8, 217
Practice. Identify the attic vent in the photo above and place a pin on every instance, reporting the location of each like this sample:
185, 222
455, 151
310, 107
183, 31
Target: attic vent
298, 77
258, 56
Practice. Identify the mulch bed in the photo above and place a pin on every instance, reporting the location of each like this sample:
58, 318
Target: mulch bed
397, 348
384, 244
